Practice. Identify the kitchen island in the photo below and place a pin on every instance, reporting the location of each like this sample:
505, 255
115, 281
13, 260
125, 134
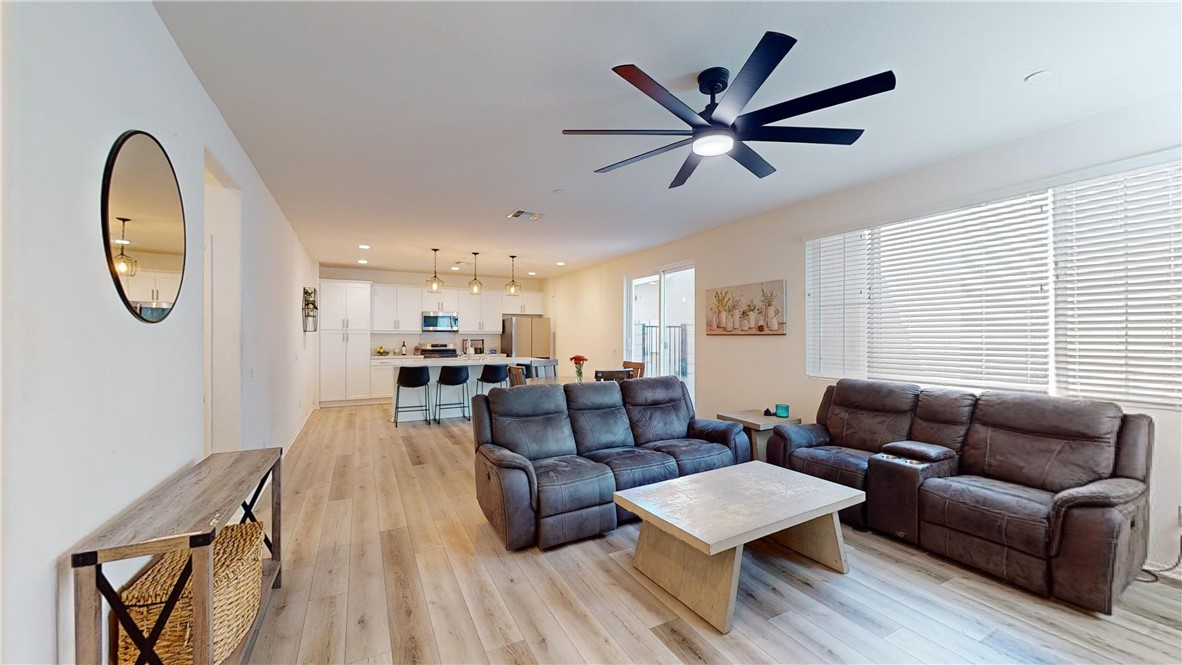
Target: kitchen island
384, 373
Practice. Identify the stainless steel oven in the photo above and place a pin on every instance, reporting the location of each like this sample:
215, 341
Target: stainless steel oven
441, 321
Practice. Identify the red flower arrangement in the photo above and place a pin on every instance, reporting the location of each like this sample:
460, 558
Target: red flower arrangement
579, 361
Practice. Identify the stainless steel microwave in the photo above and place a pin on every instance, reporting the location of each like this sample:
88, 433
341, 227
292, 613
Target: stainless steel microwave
441, 321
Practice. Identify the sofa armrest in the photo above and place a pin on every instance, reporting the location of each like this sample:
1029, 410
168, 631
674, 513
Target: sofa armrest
1106, 493
503, 458
729, 434
918, 450
787, 438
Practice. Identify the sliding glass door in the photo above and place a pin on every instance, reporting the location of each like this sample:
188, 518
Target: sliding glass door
660, 322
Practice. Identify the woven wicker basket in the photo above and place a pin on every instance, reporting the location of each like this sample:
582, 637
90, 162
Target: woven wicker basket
237, 588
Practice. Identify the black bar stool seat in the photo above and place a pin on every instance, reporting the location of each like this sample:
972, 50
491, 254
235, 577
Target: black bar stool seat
415, 376
452, 376
493, 375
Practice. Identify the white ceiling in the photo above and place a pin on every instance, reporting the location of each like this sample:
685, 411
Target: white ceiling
411, 126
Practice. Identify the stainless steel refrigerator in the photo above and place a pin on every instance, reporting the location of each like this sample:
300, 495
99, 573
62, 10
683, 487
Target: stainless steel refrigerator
526, 336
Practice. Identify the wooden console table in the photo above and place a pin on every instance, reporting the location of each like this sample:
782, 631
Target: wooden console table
185, 513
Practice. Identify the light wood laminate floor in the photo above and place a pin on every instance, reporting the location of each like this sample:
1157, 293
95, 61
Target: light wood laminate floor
388, 559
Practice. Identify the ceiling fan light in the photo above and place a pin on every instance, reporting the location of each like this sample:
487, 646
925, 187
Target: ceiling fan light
713, 142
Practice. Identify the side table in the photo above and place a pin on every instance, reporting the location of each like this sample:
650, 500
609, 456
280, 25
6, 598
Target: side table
758, 428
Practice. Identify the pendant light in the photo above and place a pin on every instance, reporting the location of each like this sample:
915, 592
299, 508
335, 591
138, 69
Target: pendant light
474, 286
435, 284
512, 288
124, 264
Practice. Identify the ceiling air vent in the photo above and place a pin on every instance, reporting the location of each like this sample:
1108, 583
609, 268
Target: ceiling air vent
531, 215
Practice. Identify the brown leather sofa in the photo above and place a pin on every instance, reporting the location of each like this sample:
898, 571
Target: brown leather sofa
549, 457
1050, 494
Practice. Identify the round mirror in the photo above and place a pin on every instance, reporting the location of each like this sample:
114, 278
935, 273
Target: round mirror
143, 226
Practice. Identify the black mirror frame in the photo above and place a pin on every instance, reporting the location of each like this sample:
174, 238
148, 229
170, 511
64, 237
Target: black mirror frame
108, 171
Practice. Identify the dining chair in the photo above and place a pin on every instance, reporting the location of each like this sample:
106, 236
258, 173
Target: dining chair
516, 375
637, 368
548, 366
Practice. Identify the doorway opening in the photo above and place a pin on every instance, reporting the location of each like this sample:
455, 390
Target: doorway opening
660, 322
222, 318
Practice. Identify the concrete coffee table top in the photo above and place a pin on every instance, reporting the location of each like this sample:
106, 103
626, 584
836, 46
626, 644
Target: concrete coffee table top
691, 541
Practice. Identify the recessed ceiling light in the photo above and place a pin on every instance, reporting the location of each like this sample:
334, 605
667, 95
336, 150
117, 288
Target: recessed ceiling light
560, 263
456, 268
362, 261
531, 273
363, 247
1037, 76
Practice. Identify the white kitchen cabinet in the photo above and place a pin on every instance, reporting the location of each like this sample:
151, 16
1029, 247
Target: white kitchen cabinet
410, 309
480, 314
152, 286
491, 310
344, 365
468, 307
385, 308
397, 308
345, 305
529, 302
381, 380
447, 300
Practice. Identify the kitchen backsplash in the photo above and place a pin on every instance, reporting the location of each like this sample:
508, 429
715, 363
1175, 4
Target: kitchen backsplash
391, 341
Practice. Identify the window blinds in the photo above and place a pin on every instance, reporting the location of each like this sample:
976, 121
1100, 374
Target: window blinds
1118, 287
835, 305
962, 298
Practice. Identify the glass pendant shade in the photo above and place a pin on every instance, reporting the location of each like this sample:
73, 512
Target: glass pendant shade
124, 264
434, 284
474, 286
512, 288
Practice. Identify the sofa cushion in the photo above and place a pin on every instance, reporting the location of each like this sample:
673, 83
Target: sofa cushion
531, 421
570, 482
694, 455
657, 408
995, 510
867, 414
1052, 443
633, 467
597, 416
846, 466
942, 417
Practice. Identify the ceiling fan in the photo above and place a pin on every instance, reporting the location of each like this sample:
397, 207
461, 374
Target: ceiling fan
721, 128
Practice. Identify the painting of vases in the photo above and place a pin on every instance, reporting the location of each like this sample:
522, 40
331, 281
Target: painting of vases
749, 309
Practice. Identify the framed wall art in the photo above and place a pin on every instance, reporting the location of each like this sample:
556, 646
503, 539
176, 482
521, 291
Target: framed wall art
748, 309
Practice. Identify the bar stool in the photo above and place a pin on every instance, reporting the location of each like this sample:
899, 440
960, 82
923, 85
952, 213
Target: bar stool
527, 371
413, 377
452, 376
494, 375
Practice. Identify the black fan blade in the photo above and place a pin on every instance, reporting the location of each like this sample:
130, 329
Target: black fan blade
846, 92
645, 83
628, 132
802, 135
650, 153
751, 159
766, 56
687, 169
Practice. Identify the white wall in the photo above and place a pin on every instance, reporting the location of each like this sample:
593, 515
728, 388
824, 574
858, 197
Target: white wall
749, 372
99, 407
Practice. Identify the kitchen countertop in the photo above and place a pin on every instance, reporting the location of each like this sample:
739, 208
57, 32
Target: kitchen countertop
455, 362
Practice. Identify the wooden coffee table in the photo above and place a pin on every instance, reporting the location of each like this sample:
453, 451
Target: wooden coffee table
691, 541
758, 428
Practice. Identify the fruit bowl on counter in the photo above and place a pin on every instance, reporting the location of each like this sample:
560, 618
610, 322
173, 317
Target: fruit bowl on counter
381, 352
